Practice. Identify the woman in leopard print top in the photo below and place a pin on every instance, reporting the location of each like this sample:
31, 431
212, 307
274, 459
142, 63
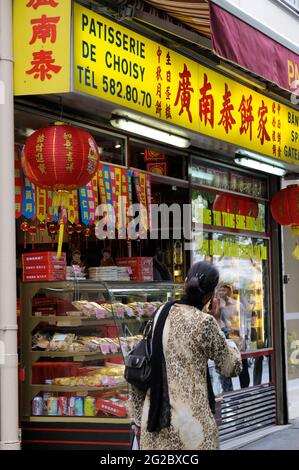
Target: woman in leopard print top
190, 339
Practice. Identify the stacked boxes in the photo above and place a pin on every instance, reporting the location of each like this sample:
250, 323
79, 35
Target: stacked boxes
141, 267
43, 266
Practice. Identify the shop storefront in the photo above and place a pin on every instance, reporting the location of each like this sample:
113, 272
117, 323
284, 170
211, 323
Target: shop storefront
168, 131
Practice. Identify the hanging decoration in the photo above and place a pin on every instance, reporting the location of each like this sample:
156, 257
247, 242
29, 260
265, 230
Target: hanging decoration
41, 228
41, 204
33, 232
53, 230
18, 184
76, 207
125, 195
87, 232
28, 208
70, 230
108, 172
234, 204
91, 202
60, 158
149, 199
25, 227
118, 204
83, 198
102, 191
50, 208
71, 207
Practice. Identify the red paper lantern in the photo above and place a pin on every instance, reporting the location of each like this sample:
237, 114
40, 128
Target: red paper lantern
236, 205
60, 157
285, 206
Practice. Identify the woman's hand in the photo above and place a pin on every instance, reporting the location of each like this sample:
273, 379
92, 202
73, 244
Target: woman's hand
214, 308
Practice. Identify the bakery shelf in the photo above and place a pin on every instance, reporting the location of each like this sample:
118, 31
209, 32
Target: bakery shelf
84, 356
74, 321
77, 419
78, 388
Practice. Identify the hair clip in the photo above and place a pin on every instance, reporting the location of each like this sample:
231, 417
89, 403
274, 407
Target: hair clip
200, 276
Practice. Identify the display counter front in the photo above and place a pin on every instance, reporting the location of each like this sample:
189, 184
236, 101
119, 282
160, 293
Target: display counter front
75, 335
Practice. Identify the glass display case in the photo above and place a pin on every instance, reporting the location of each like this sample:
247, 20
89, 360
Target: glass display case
75, 335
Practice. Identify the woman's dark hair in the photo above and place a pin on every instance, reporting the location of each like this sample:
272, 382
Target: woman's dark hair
202, 279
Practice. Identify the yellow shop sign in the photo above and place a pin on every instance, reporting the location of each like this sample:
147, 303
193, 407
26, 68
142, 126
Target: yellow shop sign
118, 65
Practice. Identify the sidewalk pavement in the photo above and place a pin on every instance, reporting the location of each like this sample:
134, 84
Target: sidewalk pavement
274, 438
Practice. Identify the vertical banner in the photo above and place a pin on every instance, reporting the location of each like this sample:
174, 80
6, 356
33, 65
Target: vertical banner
102, 191
125, 195
42, 46
91, 202
143, 193
118, 194
28, 206
41, 204
84, 205
76, 206
136, 180
71, 207
129, 177
18, 183
108, 173
149, 200
95, 190
50, 208
113, 185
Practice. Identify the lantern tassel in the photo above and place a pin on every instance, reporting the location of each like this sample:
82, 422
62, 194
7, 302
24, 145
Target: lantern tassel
60, 237
296, 252
295, 230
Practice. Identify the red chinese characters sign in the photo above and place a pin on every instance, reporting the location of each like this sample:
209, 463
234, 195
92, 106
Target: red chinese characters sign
42, 46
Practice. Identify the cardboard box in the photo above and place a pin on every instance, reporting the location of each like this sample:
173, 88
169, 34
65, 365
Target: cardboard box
43, 266
43, 257
110, 407
51, 276
141, 267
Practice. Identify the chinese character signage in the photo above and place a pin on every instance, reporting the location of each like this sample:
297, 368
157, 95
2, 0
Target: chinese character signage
118, 65
42, 39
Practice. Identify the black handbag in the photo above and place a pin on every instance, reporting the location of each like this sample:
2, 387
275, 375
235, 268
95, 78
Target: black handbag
138, 361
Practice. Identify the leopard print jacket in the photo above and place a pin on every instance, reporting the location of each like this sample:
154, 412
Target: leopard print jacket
190, 338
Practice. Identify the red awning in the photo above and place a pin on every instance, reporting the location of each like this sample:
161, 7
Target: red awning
240, 43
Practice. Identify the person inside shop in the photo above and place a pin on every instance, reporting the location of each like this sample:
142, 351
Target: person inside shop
161, 271
77, 260
107, 259
175, 414
229, 319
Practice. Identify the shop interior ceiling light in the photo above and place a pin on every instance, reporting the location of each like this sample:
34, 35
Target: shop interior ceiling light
260, 166
150, 132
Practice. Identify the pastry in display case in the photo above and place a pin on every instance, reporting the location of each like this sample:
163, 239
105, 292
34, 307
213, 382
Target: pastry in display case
75, 335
